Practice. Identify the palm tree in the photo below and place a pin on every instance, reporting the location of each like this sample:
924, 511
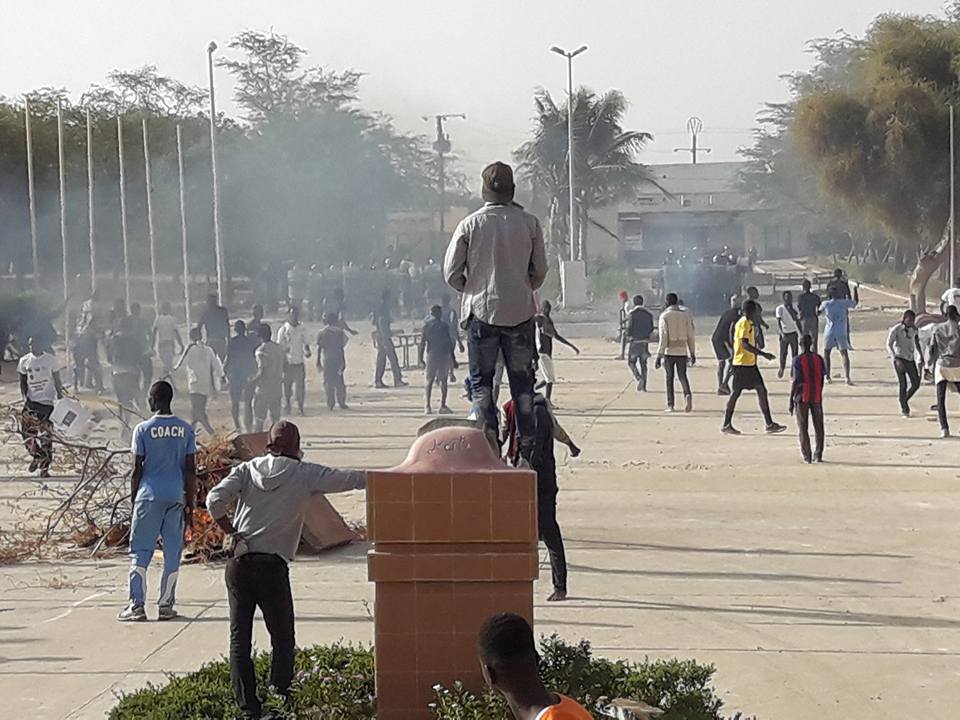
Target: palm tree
605, 165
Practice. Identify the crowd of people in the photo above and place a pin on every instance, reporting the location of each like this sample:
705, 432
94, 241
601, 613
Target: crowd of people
496, 261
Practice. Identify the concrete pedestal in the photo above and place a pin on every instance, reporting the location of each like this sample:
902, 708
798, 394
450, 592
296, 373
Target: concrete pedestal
454, 535
573, 283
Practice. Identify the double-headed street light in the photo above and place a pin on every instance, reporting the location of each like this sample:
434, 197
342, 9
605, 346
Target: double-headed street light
217, 239
570, 56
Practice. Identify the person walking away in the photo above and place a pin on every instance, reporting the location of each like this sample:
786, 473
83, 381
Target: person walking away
125, 353
496, 258
332, 360
836, 333
239, 368
385, 350
163, 491
946, 338
623, 324
216, 325
436, 343
903, 344
40, 388
450, 316
808, 307
546, 333
677, 344
292, 337
271, 493
839, 286
639, 329
788, 324
806, 398
166, 339
144, 332
268, 382
510, 666
746, 374
722, 341
204, 374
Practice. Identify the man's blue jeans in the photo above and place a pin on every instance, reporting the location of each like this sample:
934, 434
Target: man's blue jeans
484, 343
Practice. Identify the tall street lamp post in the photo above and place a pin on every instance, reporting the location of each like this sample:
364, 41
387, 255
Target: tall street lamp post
570, 56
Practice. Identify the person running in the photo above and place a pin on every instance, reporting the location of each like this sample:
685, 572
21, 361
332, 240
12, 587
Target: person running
292, 337
240, 367
836, 333
384, 345
722, 341
746, 374
808, 307
163, 490
544, 463
40, 388
623, 334
125, 353
435, 341
271, 493
677, 344
268, 382
639, 329
332, 360
546, 334
215, 322
946, 340
903, 344
510, 666
788, 325
806, 397
204, 375
166, 339
497, 259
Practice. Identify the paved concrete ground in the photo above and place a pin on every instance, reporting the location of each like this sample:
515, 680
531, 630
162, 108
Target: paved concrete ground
826, 591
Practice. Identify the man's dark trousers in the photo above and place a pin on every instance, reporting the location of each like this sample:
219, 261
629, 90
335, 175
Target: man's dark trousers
484, 344
259, 580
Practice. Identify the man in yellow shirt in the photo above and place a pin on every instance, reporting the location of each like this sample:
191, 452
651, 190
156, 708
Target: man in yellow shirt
746, 374
508, 658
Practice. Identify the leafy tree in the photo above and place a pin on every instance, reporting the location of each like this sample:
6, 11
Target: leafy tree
877, 137
605, 166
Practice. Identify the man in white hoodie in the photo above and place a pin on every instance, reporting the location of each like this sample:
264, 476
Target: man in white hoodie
270, 493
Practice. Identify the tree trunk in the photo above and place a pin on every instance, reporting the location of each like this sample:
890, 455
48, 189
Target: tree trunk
927, 265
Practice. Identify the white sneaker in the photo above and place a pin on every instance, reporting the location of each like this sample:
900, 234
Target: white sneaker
132, 613
945, 433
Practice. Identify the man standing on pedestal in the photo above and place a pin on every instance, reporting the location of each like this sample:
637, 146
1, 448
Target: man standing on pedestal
497, 259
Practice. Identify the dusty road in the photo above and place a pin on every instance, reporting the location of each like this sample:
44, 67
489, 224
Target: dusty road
818, 591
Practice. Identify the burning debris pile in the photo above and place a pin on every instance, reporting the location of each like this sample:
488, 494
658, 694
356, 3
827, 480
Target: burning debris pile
92, 514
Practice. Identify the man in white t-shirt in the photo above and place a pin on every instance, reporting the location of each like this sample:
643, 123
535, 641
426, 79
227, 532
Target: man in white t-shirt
204, 376
952, 296
166, 338
788, 322
40, 387
292, 337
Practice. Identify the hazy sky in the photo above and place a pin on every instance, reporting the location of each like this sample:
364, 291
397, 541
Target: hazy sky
719, 59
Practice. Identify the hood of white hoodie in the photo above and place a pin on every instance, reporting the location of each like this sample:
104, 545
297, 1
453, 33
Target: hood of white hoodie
271, 471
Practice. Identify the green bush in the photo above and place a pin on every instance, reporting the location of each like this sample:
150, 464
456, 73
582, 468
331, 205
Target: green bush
337, 683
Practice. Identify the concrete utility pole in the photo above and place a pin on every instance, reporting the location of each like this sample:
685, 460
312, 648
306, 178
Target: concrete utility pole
694, 126
442, 146
217, 238
574, 255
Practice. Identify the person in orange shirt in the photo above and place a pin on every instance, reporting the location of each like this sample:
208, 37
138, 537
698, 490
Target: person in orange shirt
508, 659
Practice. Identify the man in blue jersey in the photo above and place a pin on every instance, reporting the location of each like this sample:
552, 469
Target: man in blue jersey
163, 489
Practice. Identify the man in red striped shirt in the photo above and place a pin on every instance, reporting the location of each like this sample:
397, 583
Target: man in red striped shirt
806, 395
